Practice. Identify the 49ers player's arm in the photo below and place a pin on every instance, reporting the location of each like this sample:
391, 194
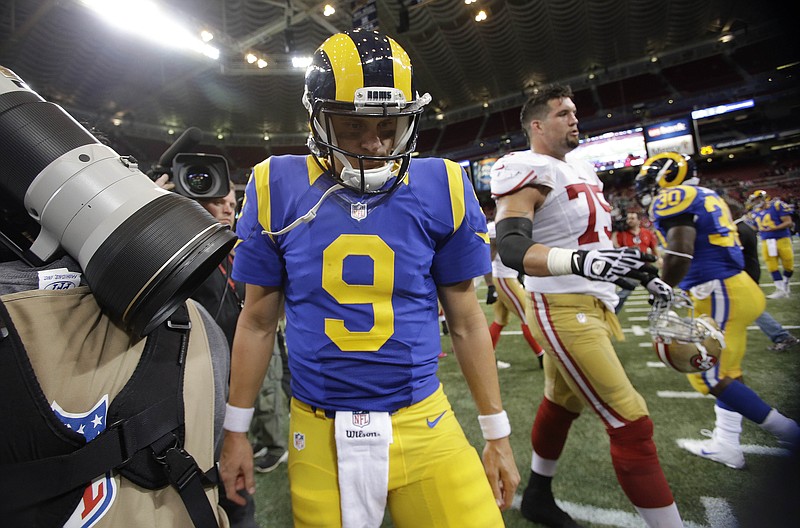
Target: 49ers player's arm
514, 224
517, 249
679, 253
252, 351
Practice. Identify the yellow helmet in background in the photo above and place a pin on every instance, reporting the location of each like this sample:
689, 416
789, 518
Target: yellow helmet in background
757, 200
667, 169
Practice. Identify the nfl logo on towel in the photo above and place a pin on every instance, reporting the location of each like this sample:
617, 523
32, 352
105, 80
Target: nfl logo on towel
358, 211
361, 418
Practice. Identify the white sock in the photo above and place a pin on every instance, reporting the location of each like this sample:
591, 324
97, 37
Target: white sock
728, 425
785, 429
666, 517
543, 466
780, 285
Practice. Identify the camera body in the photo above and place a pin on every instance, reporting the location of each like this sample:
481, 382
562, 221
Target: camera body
198, 175
195, 175
620, 224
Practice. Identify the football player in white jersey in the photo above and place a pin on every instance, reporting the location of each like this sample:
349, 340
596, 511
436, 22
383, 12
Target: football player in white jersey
510, 299
554, 225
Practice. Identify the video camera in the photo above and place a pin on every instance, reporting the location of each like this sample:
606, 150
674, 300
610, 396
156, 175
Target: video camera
195, 175
620, 222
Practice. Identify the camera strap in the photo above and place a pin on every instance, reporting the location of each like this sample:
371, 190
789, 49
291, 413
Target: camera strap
46, 478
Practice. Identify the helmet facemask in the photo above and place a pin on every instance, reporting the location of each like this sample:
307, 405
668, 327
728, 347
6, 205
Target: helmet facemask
687, 344
365, 75
354, 173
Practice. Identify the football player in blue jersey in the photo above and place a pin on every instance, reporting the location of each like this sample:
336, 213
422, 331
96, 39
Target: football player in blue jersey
703, 255
774, 220
360, 240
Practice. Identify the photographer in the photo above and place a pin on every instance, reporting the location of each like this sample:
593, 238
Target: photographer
108, 373
220, 295
630, 233
223, 298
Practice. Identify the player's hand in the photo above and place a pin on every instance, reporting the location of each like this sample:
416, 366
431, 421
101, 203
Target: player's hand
236, 466
491, 295
659, 290
501, 470
611, 265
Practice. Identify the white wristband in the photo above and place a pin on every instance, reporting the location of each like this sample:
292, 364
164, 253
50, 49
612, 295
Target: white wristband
237, 419
677, 254
559, 261
494, 426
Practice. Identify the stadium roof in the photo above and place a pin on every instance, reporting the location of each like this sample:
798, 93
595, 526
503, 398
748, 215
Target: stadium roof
629, 61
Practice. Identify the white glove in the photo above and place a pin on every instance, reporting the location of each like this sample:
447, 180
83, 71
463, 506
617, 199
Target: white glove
611, 265
659, 290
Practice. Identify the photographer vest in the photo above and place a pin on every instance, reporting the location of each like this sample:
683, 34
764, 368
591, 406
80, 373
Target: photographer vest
113, 446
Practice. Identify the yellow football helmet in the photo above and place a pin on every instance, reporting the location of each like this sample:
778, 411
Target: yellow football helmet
366, 74
686, 344
757, 200
667, 169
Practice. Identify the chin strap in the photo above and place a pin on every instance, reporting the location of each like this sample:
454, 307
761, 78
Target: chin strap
309, 216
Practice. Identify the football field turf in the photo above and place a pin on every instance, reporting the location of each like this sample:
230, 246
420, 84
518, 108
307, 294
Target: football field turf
764, 494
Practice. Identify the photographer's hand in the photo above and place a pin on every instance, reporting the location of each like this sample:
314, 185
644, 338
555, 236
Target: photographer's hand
163, 182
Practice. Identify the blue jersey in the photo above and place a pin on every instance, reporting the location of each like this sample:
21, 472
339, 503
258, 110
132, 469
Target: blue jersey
717, 250
360, 279
769, 217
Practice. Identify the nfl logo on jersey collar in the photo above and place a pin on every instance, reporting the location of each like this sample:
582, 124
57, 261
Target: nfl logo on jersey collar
358, 211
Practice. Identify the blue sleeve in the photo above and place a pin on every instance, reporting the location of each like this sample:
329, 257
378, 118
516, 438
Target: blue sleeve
464, 254
257, 258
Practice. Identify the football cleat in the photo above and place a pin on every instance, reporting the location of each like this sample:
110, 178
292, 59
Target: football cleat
778, 294
539, 506
715, 449
785, 344
686, 344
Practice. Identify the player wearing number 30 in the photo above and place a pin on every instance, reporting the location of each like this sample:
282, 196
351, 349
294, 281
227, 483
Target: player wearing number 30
703, 255
360, 240
554, 225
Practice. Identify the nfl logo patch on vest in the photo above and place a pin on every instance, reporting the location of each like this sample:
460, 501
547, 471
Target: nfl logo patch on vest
101, 493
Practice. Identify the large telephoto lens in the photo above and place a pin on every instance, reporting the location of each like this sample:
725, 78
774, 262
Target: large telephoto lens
143, 250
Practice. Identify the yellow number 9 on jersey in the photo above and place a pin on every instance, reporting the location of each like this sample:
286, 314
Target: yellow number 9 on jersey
378, 294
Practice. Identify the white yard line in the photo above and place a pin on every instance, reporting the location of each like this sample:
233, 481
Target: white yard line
686, 395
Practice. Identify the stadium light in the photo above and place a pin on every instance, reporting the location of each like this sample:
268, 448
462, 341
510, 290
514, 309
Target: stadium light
136, 15
301, 62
